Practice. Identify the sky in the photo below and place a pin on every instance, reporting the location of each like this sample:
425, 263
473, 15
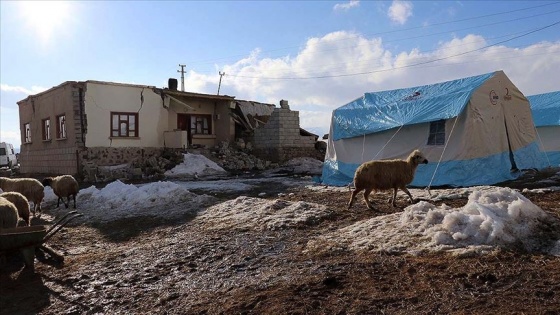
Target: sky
493, 217
318, 55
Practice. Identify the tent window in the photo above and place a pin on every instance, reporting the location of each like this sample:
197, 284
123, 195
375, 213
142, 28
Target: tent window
437, 133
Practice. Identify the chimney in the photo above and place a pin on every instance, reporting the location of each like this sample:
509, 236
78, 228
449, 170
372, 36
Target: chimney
284, 104
172, 84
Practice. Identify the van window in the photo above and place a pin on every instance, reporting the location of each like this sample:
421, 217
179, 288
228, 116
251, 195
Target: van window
3, 151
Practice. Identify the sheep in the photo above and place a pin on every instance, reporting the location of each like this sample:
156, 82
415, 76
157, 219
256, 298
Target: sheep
63, 186
384, 175
8, 214
31, 188
21, 204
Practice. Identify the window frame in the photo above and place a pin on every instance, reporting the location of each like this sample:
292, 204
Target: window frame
127, 122
436, 134
27, 133
46, 129
61, 126
198, 120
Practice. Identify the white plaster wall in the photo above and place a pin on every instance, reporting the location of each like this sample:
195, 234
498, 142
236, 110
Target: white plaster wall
101, 99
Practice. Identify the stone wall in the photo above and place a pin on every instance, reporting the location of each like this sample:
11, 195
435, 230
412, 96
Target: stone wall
105, 164
51, 161
280, 140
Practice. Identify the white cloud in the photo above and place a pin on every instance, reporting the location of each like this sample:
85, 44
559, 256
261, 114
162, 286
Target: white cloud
10, 136
22, 90
346, 6
533, 70
400, 11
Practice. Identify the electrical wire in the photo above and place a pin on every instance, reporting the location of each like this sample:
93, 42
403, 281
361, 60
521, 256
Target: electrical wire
400, 67
213, 61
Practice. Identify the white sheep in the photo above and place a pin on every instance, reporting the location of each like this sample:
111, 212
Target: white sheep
63, 186
31, 188
8, 214
21, 203
384, 175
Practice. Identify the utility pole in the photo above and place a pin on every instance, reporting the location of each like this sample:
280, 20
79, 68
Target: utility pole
220, 84
182, 71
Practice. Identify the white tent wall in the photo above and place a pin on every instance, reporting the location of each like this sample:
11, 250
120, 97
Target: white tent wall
546, 114
550, 137
372, 144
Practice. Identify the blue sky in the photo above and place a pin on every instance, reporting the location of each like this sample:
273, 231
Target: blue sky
319, 55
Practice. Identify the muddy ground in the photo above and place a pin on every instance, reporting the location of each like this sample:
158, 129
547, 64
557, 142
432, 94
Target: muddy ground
150, 265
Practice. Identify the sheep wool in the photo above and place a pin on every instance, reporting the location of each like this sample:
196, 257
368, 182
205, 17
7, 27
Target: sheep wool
384, 175
8, 214
63, 186
31, 188
21, 203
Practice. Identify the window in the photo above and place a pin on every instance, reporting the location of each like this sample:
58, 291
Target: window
124, 124
201, 124
27, 133
46, 129
437, 133
61, 127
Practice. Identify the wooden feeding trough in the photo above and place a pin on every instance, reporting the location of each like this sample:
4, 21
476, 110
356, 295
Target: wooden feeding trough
31, 239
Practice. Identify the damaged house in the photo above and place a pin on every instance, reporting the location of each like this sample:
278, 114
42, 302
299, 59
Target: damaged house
273, 133
86, 124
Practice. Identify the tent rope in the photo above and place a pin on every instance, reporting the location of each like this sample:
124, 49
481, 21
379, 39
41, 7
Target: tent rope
441, 157
542, 145
388, 141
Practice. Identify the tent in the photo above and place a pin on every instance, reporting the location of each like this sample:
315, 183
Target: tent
546, 115
474, 131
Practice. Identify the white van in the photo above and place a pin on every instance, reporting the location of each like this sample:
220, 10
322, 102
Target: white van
7, 155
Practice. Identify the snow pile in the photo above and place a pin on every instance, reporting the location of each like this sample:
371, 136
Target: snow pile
497, 217
118, 200
196, 165
305, 165
541, 190
261, 214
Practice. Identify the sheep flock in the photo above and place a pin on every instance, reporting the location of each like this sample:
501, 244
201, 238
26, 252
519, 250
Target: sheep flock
31, 188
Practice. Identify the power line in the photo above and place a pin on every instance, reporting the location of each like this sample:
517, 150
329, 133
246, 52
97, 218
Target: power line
359, 64
432, 34
210, 61
401, 67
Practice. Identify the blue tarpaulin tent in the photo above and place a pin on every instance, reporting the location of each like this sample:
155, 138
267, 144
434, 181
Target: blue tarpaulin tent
474, 131
546, 114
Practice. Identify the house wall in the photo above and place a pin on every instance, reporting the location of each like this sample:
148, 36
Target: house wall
280, 140
55, 156
103, 98
225, 125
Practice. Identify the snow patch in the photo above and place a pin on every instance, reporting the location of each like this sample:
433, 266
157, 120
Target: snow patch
261, 214
118, 200
195, 165
497, 217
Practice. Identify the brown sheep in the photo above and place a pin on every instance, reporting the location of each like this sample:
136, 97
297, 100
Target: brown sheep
31, 188
384, 175
63, 186
21, 203
8, 214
